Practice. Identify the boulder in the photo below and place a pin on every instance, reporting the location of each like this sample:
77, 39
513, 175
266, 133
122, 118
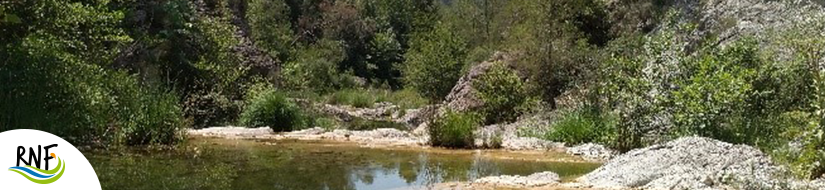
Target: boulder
462, 96
733, 19
506, 135
687, 163
591, 151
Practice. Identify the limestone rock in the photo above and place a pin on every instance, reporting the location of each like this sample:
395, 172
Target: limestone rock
530, 143
686, 163
592, 151
462, 96
231, 132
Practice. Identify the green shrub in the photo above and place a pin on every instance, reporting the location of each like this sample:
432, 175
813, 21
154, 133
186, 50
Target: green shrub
274, 110
405, 98
356, 98
622, 90
383, 56
270, 27
805, 129
582, 126
325, 123
315, 68
160, 120
796, 143
556, 47
49, 87
364, 98
434, 62
222, 74
454, 130
86, 106
636, 81
713, 100
210, 108
502, 91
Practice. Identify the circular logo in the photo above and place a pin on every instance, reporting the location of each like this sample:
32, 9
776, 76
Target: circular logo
41, 160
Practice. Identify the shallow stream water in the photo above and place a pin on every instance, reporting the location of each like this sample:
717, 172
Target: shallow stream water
203, 163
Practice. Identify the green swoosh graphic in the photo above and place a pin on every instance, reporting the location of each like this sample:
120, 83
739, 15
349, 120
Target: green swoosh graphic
52, 171
45, 181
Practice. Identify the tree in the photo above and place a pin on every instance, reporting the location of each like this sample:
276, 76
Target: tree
270, 27
434, 62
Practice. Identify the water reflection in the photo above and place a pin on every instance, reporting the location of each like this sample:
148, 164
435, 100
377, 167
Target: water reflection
238, 164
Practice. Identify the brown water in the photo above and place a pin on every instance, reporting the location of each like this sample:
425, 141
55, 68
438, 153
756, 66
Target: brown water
245, 164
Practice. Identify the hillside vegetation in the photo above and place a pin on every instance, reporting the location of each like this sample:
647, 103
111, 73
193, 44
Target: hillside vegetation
625, 74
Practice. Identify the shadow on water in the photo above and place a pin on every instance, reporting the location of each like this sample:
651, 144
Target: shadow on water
244, 164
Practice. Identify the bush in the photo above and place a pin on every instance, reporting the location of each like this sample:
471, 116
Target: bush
502, 91
405, 99
210, 108
713, 99
622, 90
85, 104
796, 143
59, 84
324, 122
434, 62
800, 89
364, 98
454, 130
270, 27
211, 83
160, 120
582, 126
356, 98
556, 42
315, 68
637, 80
383, 57
272, 109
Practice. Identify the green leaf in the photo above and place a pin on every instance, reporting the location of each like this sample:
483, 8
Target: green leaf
12, 18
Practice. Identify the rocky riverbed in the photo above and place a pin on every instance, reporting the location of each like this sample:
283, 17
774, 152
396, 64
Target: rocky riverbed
395, 137
684, 163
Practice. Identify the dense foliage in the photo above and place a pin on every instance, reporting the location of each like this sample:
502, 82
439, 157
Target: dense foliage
55, 78
434, 65
454, 129
623, 73
583, 126
742, 92
502, 91
272, 109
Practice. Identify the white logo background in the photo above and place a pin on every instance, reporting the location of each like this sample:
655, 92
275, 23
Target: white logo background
79, 174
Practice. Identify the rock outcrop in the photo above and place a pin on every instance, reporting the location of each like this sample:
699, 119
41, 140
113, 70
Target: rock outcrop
376, 137
382, 111
592, 151
688, 163
506, 135
231, 132
732, 19
462, 96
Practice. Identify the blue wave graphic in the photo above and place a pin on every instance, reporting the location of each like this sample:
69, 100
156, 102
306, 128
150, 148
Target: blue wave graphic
31, 172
